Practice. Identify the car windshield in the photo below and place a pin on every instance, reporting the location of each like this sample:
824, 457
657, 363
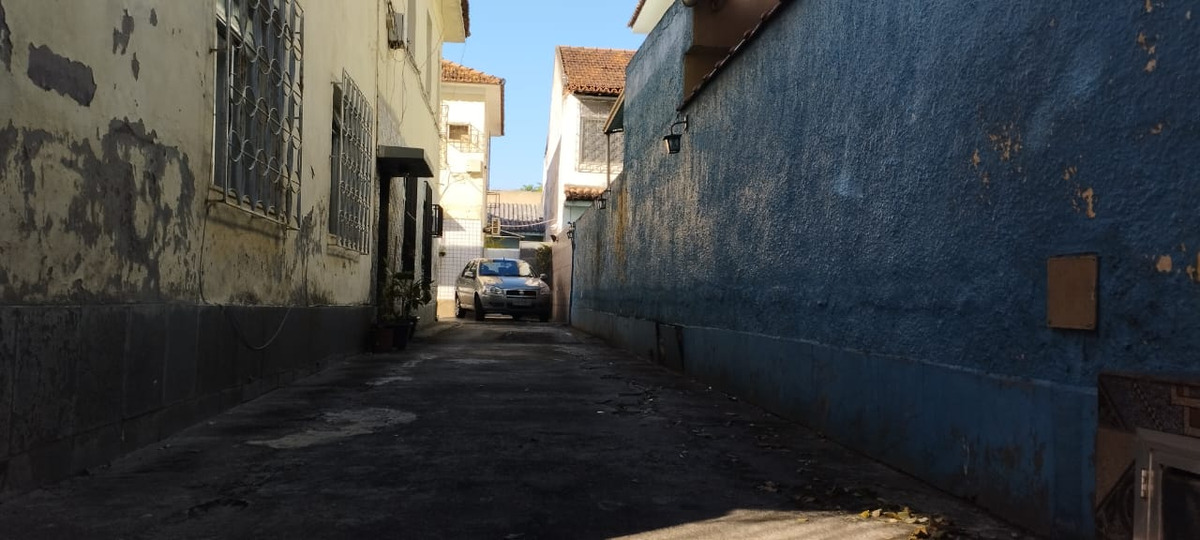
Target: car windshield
505, 268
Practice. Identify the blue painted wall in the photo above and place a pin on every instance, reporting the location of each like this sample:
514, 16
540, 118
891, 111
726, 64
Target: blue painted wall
877, 186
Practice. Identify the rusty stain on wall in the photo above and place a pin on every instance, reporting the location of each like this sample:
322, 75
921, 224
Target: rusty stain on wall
153, 17
1158, 128
622, 210
1193, 271
1164, 264
1006, 143
50, 71
1149, 6
121, 35
5, 41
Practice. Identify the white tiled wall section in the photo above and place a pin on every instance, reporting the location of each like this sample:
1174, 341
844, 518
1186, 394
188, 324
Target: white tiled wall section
463, 241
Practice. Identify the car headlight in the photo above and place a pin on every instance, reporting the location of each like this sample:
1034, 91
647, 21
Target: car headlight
493, 291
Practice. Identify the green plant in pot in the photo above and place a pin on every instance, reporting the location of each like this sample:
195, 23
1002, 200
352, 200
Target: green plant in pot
403, 295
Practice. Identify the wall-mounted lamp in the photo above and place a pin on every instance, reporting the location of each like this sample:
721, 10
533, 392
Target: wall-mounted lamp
672, 140
602, 200
571, 230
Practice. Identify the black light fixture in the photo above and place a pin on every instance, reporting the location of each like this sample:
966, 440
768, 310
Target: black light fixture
672, 140
571, 230
602, 200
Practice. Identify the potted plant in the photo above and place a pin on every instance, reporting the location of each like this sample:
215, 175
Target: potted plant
402, 296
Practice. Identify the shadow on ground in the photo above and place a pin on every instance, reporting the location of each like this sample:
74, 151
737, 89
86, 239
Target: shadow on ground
495, 429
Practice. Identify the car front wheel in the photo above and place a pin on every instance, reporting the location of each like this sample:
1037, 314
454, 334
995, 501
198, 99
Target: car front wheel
458, 309
479, 314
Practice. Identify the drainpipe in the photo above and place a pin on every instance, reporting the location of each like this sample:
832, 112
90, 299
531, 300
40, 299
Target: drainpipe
571, 292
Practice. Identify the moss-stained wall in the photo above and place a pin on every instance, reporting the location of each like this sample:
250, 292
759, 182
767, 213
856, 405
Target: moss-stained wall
857, 228
133, 299
107, 161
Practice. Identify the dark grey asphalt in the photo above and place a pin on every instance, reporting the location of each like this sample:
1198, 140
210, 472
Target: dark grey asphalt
499, 430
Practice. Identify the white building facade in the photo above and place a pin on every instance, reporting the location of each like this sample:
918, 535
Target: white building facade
472, 113
581, 160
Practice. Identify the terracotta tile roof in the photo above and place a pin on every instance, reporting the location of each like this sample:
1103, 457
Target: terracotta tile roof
748, 37
458, 73
637, 11
582, 193
594, 71
452, 72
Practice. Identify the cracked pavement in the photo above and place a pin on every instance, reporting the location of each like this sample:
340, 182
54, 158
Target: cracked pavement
495, 429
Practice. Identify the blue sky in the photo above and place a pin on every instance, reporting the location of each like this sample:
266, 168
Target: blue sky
515, 40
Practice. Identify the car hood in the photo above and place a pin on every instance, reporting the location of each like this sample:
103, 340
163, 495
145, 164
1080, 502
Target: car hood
511, 282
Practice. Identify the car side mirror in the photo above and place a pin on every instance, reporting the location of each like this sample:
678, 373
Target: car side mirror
542, 277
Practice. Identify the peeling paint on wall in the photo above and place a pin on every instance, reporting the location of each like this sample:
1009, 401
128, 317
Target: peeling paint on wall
1006, 142
5, 41
121, 35
119, 206
153, 17
1164, 264
50, 71
136, 66
1089, 196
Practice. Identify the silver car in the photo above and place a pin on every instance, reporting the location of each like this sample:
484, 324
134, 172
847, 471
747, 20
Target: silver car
505, 286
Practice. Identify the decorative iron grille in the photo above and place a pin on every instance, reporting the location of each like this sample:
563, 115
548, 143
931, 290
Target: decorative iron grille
465, 138
593, 143
352, 161
259, 91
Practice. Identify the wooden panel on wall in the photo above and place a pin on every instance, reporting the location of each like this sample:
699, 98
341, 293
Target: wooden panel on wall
1071, 283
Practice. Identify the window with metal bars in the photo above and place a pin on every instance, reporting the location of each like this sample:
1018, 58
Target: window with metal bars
438, 222
351, 161
427, 236
594, 151
257, 147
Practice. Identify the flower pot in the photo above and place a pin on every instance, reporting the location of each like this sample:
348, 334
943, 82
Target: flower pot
382, 338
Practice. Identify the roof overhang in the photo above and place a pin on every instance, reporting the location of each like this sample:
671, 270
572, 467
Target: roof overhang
616, 117
401, 161
495, 109
649, 12
456, 17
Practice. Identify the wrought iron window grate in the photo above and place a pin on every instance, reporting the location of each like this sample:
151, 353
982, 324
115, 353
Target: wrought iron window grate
258, 118
352, 161
464, 137
594, 151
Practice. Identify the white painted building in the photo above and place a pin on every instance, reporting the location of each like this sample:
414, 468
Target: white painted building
472, 113
580, 159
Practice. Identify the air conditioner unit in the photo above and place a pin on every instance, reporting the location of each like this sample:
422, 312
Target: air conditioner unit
475, 165
396, 28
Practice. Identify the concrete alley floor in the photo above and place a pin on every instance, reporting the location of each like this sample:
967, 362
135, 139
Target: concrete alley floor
497, 429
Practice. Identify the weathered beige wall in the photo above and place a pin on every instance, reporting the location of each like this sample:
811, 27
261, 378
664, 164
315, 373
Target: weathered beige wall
407, 96
100, 195
106, 191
